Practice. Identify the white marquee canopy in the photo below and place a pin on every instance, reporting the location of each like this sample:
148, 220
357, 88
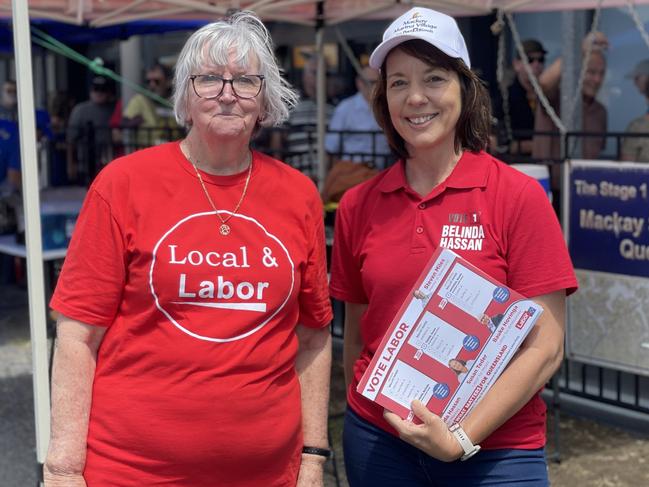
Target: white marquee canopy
97, 13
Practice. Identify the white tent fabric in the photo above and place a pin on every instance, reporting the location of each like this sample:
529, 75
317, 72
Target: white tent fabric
106, 12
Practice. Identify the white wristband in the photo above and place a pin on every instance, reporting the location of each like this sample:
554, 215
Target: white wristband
462, 438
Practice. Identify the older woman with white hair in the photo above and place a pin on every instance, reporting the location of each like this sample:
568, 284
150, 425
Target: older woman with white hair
193, 346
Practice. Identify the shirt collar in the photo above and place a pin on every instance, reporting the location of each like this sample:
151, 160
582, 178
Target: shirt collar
471, 171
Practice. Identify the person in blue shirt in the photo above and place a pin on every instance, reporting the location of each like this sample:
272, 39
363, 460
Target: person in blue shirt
9, 109
9, 124
9, 157
354, 114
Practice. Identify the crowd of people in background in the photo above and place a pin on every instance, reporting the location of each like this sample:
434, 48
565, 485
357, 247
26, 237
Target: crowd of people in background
80, 139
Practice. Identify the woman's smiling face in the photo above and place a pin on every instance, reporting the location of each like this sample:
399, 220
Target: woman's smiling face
424, 101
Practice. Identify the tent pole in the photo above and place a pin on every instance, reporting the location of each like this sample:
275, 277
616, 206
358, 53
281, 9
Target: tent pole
574, 29
321, 95
31, 205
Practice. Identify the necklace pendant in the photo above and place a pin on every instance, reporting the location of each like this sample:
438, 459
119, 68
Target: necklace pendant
224, 229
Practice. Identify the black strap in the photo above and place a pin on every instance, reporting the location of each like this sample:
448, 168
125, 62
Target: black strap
313, 450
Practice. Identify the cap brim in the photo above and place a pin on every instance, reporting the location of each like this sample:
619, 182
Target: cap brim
382, 50
380, 53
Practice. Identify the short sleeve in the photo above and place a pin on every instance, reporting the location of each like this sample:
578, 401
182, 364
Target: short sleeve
631, 145
73, 125
346, 282
13, 157
537, 257
314, 303
43, 123
134, 107
90, 286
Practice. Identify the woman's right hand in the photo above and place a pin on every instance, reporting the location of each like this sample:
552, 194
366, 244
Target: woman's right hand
61, 479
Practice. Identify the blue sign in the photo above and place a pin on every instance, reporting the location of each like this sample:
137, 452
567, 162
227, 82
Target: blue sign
471, 343
441, 390
609, 213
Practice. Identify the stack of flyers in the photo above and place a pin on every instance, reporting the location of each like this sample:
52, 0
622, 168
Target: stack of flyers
449, 341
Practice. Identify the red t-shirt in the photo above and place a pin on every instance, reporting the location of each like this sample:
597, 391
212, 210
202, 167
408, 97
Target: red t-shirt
492, 215
195, 381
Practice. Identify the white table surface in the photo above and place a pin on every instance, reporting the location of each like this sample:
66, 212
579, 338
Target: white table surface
9, 246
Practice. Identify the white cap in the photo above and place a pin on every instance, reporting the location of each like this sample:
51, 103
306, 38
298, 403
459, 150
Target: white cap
431, 26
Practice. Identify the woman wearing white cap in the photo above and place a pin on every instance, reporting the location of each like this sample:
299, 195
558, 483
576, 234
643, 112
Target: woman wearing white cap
445, 192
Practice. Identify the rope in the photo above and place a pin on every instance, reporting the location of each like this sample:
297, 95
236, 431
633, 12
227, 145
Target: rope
582, 75
535, 82
95, 65
584, 64
348, 51
636, 20
497, 29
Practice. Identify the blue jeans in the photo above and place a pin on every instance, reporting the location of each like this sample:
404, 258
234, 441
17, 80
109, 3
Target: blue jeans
375, 458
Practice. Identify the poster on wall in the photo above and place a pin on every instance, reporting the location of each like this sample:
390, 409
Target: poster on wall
608, 237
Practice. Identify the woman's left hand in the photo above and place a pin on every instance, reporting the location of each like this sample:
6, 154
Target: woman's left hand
432, 436
311, 473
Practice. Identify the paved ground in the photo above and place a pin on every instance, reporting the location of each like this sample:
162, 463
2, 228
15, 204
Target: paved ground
17, 437
593, 454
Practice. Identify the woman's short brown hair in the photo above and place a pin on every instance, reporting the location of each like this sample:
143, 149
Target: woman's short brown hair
473, 126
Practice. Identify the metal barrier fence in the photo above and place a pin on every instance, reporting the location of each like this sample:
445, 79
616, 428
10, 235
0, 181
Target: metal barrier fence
94, 147
296, 145
612, 387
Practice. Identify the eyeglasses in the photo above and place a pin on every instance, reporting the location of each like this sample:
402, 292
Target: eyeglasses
538, 59
154, 81
211, 85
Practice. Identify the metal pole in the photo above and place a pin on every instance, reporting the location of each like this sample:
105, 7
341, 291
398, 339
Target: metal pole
31, 204
321, 95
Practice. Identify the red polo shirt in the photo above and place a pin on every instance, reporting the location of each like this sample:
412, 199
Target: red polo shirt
492, 215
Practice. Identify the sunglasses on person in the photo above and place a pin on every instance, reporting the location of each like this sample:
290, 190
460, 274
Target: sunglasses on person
538, 58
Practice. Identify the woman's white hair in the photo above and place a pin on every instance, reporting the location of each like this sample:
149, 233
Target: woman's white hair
244, 33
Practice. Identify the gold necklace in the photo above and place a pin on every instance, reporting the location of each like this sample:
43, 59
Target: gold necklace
224, 228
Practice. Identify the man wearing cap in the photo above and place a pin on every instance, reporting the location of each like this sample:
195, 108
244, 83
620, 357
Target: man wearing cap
594, 117
637, 148
88, 135
522, 101
154, 121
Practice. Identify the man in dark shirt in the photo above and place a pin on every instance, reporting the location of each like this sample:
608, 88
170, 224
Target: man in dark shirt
521, 102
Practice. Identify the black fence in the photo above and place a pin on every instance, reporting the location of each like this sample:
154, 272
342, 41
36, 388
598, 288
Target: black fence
77, 159
79, 156
613, 387
92, 148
